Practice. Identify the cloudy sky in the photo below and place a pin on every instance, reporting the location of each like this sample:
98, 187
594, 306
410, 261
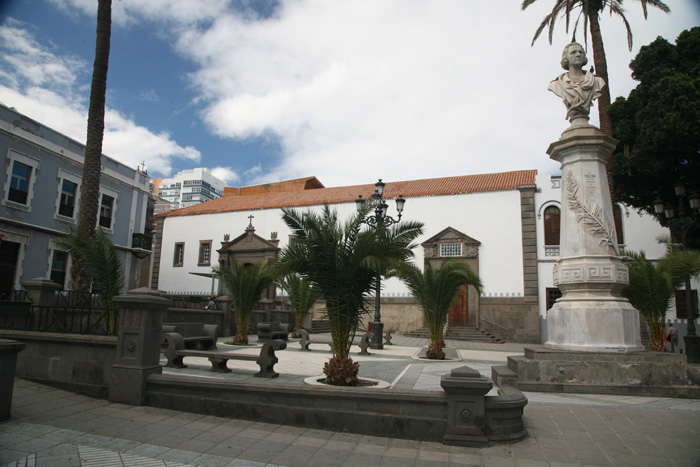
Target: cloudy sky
347, 91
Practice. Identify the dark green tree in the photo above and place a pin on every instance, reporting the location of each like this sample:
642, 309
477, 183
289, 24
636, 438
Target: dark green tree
245, 283
101, 265
435, 290
658, 126
302, 295
652, 285
342, 259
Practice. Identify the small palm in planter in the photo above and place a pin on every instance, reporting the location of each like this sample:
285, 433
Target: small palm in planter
302, 295
652, 285
435, 290
341, 260
244, 284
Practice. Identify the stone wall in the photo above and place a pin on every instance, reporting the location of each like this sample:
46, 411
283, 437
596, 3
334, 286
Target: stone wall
510, 319
78, 363
184, 315
400, 314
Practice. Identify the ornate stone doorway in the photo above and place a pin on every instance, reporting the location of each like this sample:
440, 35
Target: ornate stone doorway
453, 244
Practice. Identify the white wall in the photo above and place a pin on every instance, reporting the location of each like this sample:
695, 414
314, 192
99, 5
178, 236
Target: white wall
491, 218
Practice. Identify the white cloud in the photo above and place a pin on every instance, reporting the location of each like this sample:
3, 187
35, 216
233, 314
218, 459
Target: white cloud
351, 91
410, 89
50, 87
229, 176
178, 12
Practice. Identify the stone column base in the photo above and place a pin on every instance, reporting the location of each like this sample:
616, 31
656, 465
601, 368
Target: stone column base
594, 325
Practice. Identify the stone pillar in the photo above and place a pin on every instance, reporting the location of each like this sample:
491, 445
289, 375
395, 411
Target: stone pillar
591, 315
466, 413
8, 365
138, 344
223, 303
41, 291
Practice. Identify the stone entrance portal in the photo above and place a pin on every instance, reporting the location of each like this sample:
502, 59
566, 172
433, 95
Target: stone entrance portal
453, 244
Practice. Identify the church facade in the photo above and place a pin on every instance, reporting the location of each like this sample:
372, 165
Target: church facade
494, 222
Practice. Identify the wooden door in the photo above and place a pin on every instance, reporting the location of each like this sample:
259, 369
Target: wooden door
457, 317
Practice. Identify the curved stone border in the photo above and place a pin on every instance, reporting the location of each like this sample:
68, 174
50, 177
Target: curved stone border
451, 355
313, 381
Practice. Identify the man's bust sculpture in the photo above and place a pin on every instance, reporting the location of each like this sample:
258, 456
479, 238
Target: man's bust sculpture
577, 88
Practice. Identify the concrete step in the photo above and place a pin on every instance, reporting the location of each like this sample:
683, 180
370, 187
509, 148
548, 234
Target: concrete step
503, 376
460, 334
320, 326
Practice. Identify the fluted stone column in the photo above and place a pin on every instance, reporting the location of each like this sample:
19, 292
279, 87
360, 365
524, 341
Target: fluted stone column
138, 345
591, 315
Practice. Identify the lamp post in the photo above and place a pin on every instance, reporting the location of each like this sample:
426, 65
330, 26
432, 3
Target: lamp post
682, 225
379, 219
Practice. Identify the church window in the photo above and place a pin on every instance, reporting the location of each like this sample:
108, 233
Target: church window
552, 216
450, 249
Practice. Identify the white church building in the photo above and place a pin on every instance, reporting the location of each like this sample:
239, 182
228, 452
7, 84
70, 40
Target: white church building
504, 225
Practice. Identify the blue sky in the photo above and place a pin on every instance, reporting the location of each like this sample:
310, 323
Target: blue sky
262, 91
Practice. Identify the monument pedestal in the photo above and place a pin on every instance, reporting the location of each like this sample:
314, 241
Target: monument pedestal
591, 315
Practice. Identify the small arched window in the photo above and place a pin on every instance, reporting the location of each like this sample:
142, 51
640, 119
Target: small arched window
617, 216
552, 216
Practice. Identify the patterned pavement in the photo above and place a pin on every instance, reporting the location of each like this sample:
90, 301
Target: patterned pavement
56, 428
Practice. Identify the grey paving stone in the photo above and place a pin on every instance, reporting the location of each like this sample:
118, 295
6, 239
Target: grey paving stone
226, 450
245, 463
147, 450
258, 455
403, 453
8, 455
209, 460
178, 455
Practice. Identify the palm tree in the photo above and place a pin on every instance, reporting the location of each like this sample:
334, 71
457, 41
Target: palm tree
100, 262
92, 166
590, 10
341, 260
302, 294
652, 285
435, 290
245, 283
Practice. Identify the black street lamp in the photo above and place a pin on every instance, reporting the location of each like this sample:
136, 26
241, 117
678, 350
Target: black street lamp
379, 218
683, 225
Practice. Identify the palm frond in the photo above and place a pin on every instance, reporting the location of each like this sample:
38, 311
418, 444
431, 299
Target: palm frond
436, 289
342, 261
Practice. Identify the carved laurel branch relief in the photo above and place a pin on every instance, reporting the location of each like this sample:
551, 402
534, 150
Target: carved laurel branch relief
589, 214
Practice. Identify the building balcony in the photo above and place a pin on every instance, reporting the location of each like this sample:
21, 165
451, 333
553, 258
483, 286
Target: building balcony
142, 241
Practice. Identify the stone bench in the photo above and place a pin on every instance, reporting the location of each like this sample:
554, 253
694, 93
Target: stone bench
196, 336
274, 330
176, 352
307, 340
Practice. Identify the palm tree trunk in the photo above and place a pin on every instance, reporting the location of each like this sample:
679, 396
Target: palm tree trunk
90, 187
92, 166
601, 69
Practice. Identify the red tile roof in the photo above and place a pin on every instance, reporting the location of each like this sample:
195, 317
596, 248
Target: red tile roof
409, 189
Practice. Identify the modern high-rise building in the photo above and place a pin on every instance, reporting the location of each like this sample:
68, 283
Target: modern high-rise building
191, 187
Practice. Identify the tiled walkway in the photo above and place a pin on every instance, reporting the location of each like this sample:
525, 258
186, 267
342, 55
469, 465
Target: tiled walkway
55, 428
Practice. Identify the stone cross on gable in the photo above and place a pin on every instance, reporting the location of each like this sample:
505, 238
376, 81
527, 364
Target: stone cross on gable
250, 225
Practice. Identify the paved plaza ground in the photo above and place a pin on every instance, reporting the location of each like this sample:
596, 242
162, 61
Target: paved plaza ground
56, 428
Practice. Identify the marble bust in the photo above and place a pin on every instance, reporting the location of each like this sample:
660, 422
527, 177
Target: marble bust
576, 88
